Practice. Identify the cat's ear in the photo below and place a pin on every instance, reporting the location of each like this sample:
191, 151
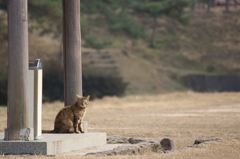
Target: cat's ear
88, 97
78, 96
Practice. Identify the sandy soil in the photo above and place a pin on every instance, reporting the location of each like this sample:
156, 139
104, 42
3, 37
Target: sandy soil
182, 117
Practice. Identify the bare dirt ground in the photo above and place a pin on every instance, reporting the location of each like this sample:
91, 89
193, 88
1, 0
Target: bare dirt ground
182, 117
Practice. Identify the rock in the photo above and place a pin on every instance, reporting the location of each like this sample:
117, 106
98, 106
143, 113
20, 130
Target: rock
117, 140
130, 149
200, 141
135, 141
197, 146
167, 145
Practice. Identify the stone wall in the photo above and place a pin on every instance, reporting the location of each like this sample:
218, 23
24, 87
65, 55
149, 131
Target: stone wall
213, 83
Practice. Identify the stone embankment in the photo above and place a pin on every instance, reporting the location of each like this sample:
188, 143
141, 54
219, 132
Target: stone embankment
134, 146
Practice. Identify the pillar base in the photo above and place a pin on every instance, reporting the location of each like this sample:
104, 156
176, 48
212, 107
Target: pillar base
38, 137
52, 144
26, 134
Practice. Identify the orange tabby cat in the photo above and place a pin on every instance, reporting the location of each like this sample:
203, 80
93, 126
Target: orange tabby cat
69, 119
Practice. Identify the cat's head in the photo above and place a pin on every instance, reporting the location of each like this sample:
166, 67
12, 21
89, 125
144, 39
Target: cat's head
83, 101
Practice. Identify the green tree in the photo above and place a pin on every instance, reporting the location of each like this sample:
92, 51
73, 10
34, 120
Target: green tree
3, 4
48, 15
210, 4
158, 8
3, 37
117, 15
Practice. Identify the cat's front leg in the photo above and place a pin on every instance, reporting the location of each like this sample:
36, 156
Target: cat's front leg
75, 125
80, 127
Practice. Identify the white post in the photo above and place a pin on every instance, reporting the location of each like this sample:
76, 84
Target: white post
38, 104
35, 73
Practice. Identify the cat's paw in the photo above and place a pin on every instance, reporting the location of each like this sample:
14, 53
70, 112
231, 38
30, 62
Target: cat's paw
82, 132
77, 132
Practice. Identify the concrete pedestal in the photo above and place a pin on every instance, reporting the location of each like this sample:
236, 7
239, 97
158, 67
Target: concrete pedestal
52, 144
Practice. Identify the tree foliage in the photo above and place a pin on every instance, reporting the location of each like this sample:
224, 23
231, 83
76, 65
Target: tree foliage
96, 84
3, 88
100, 85
120, 16
47, 14
157, 8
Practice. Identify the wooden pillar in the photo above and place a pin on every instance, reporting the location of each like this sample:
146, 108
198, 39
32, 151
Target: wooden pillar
72, 51
17, 110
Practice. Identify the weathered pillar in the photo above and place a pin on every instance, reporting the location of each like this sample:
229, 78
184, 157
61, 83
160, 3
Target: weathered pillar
17, 110
72, 51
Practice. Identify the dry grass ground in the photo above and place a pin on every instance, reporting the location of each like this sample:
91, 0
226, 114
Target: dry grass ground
183, 117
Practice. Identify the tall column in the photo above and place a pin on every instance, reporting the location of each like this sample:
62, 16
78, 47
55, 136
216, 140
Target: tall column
17, 110
72, 51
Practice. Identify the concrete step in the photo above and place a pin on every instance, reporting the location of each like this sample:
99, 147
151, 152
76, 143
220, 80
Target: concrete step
52, 144
95, 149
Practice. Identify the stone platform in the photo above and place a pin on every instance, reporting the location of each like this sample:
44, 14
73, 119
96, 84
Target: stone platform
52, 144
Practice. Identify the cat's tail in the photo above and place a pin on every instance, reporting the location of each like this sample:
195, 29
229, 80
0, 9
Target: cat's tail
48, 131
